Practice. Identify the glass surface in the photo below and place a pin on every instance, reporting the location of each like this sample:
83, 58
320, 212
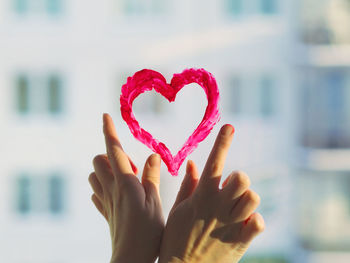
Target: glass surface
283, 72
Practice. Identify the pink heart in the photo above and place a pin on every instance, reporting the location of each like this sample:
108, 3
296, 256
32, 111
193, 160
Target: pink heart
146, 80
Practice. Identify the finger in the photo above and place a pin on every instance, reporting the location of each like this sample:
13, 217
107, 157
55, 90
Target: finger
118, 159
236, 184
98, 205
103, 172
251, 227
96, 186
245, 206
213, 169
188, 185
151, 176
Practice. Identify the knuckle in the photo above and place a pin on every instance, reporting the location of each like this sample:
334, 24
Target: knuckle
215, 167
242, 179
253, 197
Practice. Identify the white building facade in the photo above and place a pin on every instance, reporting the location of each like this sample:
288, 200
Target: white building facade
62, 64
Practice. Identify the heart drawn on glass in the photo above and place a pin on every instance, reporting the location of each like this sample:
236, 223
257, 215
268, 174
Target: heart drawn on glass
146, 80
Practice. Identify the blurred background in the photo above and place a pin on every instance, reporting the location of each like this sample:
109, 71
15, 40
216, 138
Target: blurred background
283, 70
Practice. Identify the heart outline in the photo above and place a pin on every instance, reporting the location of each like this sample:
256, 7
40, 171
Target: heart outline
146, 80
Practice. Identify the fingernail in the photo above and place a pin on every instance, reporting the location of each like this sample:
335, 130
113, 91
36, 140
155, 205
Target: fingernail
228, 129
154, 160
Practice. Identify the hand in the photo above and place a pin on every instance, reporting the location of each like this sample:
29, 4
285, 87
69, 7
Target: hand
208, 224
131, 208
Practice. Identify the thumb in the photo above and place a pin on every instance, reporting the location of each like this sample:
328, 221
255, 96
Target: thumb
151, 175
188, 184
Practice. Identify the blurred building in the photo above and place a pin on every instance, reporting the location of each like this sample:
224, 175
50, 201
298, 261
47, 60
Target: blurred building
283, 69
323, 137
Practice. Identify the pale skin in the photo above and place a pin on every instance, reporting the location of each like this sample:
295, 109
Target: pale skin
206, 224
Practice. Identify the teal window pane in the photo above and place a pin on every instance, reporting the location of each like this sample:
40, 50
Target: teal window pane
21, 6
54, 6
55, 94
267, 103
268, 6
23, 195
235, 6
22, 87
56, 194
133, 7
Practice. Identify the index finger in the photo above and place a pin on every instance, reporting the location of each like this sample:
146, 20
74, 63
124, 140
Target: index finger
215, 164
118, 159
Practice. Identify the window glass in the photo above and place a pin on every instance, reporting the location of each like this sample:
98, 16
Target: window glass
267, 96
54, 6
21, 6
133, 7
235, 6
143, 7
23, 194
40, 194
324, 112
55, 94
22, 87
268, 6
56, 193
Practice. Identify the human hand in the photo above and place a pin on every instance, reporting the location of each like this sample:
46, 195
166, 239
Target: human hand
131, 208
208, 224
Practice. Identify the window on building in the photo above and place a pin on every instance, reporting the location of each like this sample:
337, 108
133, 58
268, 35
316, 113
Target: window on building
267, 96
143, 7
24, 194
55, 94
38, 94
56, 194
235, 7
324, 109
54, 7
35, 7
268, 6
21, 6
236, 93
22, 88
40, 194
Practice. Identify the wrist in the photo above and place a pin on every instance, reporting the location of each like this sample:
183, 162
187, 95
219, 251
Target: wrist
132, 258
175, 260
